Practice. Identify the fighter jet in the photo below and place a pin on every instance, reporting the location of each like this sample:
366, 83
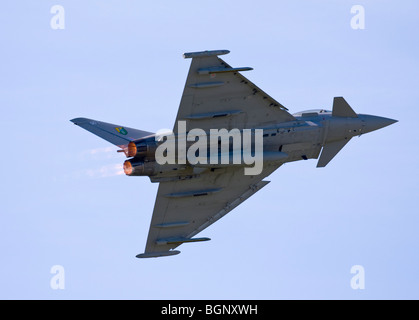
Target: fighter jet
196, 189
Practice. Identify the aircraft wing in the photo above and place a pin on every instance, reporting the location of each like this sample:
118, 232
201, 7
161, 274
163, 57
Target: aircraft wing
184, 208
218, 96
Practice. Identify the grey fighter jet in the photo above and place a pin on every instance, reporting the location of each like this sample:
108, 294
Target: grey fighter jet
193, 194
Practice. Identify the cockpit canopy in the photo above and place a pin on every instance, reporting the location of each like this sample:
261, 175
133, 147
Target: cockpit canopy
312, 113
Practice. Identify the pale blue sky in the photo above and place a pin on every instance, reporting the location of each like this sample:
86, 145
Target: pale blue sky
62, 202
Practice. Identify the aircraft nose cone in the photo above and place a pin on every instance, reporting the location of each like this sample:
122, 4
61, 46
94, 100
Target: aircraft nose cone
372, 123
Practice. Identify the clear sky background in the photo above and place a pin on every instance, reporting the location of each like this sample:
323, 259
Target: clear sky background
64, 201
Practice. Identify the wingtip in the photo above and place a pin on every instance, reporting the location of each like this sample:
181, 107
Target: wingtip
157, 254
207, 53
78, 121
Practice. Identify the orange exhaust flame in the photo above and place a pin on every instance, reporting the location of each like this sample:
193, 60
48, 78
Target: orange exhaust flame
132, 149
128, 169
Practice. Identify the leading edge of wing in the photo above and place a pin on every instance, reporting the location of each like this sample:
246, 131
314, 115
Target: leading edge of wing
273, 102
